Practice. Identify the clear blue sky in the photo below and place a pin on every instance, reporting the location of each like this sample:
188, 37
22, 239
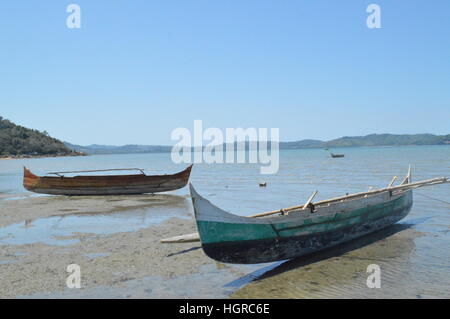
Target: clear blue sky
138, 69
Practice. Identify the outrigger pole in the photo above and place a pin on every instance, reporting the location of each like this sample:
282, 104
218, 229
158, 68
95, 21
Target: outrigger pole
100, 170
405, 185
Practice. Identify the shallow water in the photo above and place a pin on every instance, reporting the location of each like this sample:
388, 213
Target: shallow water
413, 256
52, 230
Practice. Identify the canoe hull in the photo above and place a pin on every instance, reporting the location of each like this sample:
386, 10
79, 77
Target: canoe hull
274, 249
235, 239
105, 185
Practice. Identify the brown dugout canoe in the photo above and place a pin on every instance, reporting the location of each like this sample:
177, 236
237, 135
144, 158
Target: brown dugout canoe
104, 184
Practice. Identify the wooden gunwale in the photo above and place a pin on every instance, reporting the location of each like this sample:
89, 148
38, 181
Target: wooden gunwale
364, 214
430, 182
98, 170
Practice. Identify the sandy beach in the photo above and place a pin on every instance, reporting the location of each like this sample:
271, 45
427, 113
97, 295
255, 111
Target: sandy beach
121, 256
116, 265
133, 264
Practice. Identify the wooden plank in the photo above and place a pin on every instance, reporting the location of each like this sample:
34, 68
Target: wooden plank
407, 179
392, 181
310, 199
188, 238
100, 170
405, 187
432, 181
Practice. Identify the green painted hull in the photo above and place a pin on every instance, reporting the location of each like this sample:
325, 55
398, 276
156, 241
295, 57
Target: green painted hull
283, 238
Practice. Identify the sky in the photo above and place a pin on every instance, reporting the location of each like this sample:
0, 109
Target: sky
137, 70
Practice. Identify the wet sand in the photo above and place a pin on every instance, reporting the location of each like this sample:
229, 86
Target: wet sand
121, 256
342, 272
104, 260
29, 208
124, 259
117, 265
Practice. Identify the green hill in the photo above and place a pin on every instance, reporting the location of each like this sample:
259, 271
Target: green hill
346, 141
17, 140
389, 140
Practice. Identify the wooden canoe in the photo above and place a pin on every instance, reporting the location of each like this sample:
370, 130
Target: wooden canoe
104, 184
298, 230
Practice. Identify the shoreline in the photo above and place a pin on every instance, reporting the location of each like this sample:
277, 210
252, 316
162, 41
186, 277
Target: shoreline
11, 157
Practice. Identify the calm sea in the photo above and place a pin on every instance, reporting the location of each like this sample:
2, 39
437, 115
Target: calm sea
235, 188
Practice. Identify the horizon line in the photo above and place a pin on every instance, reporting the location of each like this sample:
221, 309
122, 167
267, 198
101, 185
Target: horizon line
256, 141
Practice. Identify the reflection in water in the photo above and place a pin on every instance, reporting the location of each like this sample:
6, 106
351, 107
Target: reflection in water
340, 272
58, 230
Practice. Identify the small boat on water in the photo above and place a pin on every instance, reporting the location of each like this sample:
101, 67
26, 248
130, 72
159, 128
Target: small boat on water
299, 230
104, 184
337, 155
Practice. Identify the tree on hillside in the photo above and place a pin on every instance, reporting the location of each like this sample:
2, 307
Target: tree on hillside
19, 140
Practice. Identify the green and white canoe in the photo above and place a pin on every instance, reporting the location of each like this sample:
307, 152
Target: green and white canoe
298, 230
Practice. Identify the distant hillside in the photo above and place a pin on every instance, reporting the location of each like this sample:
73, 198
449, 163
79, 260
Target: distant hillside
126, 149
17, 140
301, 144
389, 140
347, 141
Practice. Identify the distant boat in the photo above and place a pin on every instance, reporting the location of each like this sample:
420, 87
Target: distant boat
298, 230
336, 155
104, 184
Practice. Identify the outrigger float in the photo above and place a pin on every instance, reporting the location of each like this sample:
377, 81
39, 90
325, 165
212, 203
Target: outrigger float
104, 184
295, 231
